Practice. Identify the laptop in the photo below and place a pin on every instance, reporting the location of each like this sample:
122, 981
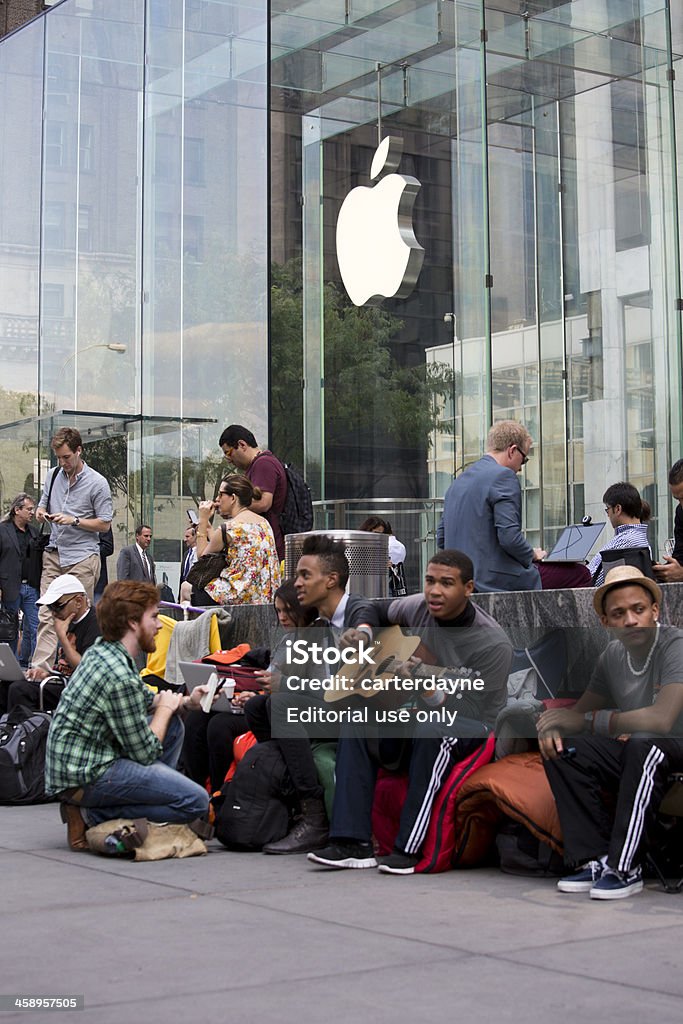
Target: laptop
10, 669
574, 543
195, 673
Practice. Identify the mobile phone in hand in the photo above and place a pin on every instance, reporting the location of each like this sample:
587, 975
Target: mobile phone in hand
192, 516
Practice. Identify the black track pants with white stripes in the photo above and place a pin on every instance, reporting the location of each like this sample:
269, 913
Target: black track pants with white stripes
429, 758
634, 771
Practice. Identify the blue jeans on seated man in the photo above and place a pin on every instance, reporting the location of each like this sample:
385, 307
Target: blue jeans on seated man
155, 791
26, 602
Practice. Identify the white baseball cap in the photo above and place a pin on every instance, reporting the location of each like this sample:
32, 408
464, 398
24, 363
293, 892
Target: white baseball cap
63, 585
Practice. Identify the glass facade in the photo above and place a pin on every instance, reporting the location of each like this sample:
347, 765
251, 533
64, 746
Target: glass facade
134, 246
544, 136
173, 172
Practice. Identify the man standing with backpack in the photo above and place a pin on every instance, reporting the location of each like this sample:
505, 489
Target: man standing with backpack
264, 470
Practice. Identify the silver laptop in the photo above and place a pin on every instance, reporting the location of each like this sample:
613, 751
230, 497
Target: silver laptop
574, 543
196, 673
10, 669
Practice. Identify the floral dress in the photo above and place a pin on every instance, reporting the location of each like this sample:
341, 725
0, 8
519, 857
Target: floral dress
252, 574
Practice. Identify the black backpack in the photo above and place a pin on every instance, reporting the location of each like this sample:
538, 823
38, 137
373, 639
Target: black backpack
254, 807
23, 741
297, 513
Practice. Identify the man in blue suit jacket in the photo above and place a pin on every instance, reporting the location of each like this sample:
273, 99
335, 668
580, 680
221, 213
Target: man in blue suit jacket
482, 514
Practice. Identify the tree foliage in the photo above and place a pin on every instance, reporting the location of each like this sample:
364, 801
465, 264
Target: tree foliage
365, 389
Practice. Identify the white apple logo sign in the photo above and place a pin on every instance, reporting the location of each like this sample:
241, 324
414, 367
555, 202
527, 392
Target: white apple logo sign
378, 254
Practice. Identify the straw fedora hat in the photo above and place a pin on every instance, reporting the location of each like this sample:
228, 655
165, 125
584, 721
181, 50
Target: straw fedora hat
620, 575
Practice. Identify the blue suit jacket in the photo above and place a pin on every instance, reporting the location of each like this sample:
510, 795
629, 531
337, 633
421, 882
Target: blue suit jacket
482, 516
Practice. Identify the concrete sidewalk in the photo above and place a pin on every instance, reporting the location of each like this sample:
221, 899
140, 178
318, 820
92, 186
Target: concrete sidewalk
246, 937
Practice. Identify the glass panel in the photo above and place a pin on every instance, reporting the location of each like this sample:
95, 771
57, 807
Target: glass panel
90, 322
205, 268
21, 82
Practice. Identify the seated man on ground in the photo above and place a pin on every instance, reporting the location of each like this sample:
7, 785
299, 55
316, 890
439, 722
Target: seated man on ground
454, 633
321, 577
626, 737
106, 757
76, 627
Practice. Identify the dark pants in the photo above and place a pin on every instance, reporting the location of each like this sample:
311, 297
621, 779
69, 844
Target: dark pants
207, 749
296, 751
429, 757
27, 693
635, 772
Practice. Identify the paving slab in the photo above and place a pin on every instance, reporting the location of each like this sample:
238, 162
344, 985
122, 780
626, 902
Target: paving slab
246, 937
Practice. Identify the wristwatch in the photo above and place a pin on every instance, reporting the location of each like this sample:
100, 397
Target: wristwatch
77, 521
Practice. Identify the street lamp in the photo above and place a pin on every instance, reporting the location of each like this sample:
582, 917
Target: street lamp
112, 346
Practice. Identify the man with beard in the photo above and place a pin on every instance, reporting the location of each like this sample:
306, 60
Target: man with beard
113, 745
632, 713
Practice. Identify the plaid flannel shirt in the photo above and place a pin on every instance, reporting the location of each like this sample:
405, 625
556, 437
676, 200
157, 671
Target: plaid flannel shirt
101, 717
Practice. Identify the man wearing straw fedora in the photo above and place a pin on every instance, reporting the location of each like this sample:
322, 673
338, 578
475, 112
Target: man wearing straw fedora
626, 737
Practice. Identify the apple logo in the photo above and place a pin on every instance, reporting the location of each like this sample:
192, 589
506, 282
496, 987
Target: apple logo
378, 254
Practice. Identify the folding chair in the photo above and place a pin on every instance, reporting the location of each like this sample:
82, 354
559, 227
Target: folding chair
665, 856
548, 659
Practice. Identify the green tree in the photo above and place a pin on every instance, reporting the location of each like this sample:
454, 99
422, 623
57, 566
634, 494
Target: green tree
365, 387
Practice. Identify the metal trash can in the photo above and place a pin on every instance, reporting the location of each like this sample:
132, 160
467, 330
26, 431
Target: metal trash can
366, 553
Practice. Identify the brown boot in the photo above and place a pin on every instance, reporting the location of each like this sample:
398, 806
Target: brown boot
75, 826
309, 833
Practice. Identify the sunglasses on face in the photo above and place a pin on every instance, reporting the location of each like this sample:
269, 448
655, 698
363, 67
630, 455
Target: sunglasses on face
59, 607
525, 457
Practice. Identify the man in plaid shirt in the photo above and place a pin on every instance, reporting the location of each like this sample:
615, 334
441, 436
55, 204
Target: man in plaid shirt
113, 746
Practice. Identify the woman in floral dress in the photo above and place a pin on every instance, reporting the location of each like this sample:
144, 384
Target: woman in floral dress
252, 573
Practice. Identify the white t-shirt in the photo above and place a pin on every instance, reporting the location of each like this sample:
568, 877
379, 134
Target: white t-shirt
397, 551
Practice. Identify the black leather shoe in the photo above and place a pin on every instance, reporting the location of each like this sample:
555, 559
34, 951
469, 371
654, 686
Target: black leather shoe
309, 832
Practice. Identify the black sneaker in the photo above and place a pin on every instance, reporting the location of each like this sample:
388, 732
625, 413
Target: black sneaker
398, 863
345, 853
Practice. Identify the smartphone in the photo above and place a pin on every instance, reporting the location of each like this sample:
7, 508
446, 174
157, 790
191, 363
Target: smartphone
192, 516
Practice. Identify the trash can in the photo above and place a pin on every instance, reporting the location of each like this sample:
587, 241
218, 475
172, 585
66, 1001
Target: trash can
366, 553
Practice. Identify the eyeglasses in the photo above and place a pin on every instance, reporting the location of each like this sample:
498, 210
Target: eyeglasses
525, 455
60, 607
229, 452
607, 510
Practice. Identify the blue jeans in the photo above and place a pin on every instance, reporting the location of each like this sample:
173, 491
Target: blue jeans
155, 791
26, 602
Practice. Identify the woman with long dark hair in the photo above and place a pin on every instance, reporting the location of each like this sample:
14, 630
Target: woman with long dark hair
209, 738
